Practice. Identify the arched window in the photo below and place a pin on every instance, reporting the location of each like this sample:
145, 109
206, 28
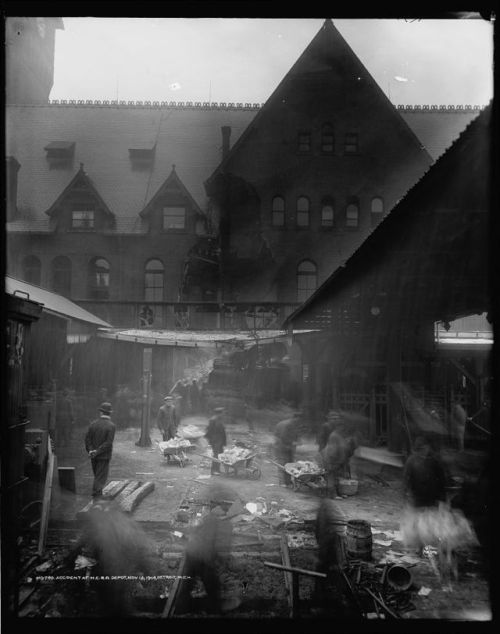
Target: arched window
352, 215
377, 205
307, 279
32, 269
327, 213
302, 211
153, 281
327, 139
61, 275
278, 212
98, 278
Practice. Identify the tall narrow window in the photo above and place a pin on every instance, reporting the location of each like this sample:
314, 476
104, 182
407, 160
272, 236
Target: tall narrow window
98, 278
377, 209
278, 212
351, 145
32, 270
153, 281
327, 139
307, 279
302, 211
304, 142
352, 215
327, 213
174, 218
61, 275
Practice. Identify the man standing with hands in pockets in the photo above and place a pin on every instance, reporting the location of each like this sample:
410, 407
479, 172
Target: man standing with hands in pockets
99, 446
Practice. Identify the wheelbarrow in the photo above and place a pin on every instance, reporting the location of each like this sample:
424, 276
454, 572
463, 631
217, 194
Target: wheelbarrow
314, 480
176, 454
243, 467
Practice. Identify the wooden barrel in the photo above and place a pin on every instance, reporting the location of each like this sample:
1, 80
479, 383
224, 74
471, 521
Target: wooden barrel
359, 539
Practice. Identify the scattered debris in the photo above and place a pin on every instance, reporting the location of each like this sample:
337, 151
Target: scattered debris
382, 542
47, 565
424, 591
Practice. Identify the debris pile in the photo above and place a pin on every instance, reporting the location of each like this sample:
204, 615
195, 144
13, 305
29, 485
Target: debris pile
303, 467
234, 454
174, 443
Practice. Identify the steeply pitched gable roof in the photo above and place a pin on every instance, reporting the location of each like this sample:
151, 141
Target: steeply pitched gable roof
327, 52
80, 181
172, 182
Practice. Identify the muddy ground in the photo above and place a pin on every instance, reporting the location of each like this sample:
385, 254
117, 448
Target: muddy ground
260, 590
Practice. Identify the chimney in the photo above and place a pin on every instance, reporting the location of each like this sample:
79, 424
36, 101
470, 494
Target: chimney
226, 133
12, 168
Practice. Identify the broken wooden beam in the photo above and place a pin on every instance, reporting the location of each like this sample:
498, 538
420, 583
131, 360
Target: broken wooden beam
130, 502
113, 488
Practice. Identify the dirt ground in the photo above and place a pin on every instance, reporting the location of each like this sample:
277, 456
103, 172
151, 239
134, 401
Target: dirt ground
379, 501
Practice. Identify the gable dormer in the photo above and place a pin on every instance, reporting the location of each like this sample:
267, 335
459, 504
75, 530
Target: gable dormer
172, 210
80, 207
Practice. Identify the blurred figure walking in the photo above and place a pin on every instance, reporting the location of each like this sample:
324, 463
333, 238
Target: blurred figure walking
64, 419
285, 439
216, 437
99, 445
167, 419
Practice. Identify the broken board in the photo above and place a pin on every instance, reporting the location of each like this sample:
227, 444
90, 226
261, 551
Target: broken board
129, 503
130, 488
113, 488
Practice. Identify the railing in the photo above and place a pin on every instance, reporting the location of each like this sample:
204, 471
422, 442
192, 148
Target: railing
191, 315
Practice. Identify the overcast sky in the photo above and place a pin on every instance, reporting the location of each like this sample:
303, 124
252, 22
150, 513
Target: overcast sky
243, 60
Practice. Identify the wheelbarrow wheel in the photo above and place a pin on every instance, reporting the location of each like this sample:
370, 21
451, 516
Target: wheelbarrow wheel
254, 473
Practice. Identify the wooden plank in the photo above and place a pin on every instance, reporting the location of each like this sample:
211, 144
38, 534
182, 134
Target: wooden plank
298, 571
115, 487
169, 609
47, 495
130, 488
130, 502
285, 558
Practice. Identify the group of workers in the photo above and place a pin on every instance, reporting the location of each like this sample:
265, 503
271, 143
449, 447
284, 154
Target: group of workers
335, 449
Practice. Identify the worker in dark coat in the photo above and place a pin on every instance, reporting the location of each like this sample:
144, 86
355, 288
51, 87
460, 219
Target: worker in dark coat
330, 536
285, 438
216, 436
332, 420
167, 419
334, 457
99, 445
209, 544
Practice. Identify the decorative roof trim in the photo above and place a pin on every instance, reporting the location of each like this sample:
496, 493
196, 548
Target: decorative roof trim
183, 105
206, 105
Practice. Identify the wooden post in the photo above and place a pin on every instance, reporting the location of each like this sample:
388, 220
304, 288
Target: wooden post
147, 361
47, 494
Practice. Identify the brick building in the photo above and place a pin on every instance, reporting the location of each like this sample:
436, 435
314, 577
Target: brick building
147, 217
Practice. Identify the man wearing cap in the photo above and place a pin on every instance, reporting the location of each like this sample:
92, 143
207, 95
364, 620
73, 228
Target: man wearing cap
167, 419
216, 436
99, 445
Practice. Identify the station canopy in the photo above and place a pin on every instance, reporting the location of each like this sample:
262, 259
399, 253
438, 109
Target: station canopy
198, 338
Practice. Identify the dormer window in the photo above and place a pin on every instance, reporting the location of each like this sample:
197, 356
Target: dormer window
83, 218
142, 158
304, 142
60, 154
174, 219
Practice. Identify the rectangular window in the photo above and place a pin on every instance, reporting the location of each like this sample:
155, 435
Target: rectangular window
278, 218
153, 291
351, 143
82, 219
304, 142
174, 219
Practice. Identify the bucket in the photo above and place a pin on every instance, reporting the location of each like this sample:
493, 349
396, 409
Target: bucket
399, 577
347, 487
359, 539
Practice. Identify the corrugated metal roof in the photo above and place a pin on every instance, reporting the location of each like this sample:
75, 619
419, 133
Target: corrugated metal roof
52, 302
193, 339
190, 138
